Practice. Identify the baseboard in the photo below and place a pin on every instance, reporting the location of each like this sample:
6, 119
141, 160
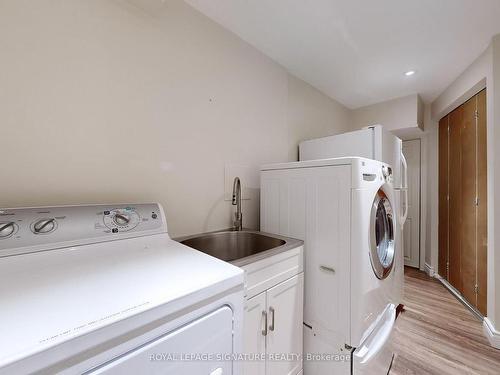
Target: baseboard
488, 328
429, 270
461, 298
491, 333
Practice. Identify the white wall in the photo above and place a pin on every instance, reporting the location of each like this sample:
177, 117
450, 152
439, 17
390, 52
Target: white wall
471, 81
396, 114
116, 101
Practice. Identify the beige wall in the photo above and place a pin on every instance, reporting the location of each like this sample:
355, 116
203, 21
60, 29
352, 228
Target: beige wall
311, 114
115, 101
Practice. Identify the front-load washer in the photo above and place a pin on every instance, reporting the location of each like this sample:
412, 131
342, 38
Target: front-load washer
344, 210
372, 142
103, 289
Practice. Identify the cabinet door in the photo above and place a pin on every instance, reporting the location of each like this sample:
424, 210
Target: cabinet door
482, 208
463, 200
468, 202
455, 204
254, 339
443, 197
285, 317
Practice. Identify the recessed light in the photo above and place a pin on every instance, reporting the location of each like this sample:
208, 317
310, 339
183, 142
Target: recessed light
410, 73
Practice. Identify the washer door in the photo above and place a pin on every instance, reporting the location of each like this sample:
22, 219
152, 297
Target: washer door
382, 236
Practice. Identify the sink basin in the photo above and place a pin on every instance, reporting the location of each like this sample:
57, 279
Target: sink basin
233, 245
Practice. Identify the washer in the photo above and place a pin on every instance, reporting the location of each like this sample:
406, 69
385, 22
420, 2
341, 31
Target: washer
105, 290
372, 142
344, 210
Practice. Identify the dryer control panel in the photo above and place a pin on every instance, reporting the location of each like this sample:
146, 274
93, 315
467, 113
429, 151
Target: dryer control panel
367, 172
25, 230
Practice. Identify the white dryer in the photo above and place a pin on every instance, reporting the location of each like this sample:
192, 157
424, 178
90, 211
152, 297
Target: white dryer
104, 290
344, 210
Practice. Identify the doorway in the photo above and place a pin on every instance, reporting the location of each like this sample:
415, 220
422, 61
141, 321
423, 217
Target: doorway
411, 231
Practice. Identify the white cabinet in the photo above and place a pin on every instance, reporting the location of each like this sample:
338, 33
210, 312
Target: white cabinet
285, 316
254, 328
273, 326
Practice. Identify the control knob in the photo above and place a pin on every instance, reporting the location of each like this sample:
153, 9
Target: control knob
121, 219
7, 229
44, 226
385, 172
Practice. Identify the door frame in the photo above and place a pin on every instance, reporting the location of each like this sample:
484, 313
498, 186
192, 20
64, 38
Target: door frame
421, 254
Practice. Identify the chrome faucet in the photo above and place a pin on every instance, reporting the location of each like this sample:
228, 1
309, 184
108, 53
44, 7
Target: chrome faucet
238, 216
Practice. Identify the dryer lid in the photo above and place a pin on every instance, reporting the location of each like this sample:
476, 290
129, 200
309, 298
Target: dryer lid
54, 296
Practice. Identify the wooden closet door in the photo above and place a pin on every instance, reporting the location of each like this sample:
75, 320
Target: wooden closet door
443, 198
468, 202
482, 218
455, 192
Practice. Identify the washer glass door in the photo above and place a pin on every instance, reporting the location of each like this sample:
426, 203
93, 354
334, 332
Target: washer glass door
382, 236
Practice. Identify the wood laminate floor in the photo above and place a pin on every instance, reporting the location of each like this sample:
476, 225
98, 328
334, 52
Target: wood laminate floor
436, 334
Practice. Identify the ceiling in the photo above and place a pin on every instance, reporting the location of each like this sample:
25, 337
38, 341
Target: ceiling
356, 51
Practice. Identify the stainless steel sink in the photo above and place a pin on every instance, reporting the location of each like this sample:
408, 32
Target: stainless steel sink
234, 246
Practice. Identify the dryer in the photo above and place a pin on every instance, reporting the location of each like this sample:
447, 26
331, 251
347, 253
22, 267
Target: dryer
102, 289
344, 210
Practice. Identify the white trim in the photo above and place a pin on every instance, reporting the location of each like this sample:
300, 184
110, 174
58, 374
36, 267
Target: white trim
421, 249
429, 270
461, 298
424, 165
438, 276
491, 332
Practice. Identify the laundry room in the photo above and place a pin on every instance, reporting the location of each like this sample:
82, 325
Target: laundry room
231, 187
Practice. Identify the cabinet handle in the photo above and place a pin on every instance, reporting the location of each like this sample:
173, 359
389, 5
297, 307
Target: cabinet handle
327, 269
264, 316
271, 326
